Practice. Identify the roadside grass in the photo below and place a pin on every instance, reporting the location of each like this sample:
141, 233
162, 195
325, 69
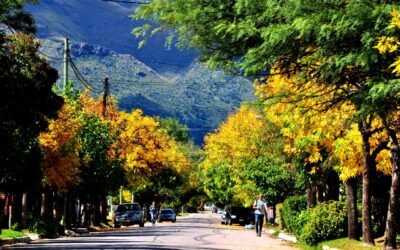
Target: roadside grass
273, 226
342, 244
7, 234
276, 233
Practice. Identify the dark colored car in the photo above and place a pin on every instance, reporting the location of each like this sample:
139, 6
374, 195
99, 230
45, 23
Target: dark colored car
128, 214
237, 215
167, 215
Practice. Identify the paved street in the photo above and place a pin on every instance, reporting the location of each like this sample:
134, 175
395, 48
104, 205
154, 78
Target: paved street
196, 231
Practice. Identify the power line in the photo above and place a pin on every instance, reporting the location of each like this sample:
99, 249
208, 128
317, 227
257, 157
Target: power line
98, 7
123, 1
80, 77
140, 59
51, 57
48, 46
160, 62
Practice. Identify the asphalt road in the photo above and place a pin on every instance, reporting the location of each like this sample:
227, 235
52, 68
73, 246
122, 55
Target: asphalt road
195, 231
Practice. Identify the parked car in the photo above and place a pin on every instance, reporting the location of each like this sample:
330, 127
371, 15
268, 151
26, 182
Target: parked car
207, 207
128, 214
237, 215
166, 215
214, 209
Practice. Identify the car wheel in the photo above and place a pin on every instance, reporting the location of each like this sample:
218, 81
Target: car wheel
117, 225
141, 224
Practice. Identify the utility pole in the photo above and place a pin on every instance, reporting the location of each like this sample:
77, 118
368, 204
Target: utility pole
105, 95
66, 56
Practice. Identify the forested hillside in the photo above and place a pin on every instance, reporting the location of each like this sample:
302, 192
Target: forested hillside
161, 81
198, 97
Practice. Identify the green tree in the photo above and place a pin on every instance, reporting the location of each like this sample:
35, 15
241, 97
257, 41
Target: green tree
218, 182
27, 101
272, 178
189, 188
176, 130
99, 175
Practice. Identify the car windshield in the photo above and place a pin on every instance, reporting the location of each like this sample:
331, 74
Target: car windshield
166, 211
128, 207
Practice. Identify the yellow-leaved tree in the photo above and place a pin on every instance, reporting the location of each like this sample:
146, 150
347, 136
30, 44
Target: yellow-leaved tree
308, 126
243, 158
385, 95
322, 135
148, 152
60, 148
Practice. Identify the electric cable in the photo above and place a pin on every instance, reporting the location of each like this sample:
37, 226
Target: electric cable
143, 60
81, 78
51, 57
124, 1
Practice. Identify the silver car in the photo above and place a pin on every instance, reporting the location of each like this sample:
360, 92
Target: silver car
167, 215
128, 214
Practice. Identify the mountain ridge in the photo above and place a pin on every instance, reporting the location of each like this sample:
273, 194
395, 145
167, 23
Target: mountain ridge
180, 88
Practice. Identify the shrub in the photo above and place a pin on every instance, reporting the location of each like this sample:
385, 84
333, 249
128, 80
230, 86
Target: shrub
290, 210
16, 227
46, 227
324, 222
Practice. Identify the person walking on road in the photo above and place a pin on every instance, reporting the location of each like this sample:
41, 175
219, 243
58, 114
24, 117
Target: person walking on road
260, 207
153, 213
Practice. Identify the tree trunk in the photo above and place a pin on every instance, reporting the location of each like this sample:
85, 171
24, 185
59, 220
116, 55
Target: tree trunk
43, 204
17, 208
390, 231
366, 182
351, 191
78, 210
311, 196
5, 210
10, 217
24, 210
104, 210
69, 211
96, 213
332, 186
3, 198
10, 211
86, 214
272, 216
64, 208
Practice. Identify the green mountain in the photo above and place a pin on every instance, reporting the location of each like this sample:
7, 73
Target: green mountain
198, 97
161, 81
108, 25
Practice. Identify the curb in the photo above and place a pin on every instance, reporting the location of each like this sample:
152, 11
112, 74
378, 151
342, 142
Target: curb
328, 248
15, 241
282, 235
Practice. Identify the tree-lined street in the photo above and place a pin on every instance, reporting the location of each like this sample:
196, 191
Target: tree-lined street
195, 231
319, 140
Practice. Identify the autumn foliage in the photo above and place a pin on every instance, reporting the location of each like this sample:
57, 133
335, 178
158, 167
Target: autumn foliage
138, 142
